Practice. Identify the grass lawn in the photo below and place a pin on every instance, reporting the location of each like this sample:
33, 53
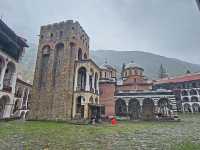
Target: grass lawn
184, 135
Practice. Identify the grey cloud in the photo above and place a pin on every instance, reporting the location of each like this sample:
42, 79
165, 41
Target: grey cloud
165, 27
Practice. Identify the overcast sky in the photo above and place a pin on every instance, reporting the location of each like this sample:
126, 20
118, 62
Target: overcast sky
166, 27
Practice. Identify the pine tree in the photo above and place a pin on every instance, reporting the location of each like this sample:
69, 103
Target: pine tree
188, 72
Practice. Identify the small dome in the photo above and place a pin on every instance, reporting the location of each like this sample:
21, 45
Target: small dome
132, 65
107, 66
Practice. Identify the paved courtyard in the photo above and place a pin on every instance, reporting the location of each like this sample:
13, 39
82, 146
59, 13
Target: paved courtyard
184, 135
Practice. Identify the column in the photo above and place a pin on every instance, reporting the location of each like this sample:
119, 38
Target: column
2, 75
14, 79
87, 82
86, 111
27, 99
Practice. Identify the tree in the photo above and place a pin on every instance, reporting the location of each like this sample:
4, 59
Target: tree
188, 72
162, 72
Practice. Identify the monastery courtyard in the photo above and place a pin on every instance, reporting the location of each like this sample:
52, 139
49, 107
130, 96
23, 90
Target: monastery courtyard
184, 135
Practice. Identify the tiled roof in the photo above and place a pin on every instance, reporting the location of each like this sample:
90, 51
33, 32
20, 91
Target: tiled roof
179, 79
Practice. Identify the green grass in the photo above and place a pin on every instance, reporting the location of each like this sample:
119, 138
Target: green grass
125, 135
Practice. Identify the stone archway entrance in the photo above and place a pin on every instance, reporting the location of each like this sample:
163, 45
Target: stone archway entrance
80, 107
134, 109
148, 109
120, 107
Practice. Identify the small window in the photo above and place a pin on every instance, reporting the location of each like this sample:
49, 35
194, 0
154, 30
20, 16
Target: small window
72, 28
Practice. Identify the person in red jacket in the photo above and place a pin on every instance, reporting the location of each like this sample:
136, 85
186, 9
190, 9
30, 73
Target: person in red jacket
113, 121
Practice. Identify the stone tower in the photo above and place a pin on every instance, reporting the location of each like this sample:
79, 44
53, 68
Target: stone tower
60, 46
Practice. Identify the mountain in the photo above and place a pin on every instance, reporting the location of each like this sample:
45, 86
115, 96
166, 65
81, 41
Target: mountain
150, 62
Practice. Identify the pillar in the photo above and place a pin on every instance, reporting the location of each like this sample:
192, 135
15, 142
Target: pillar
2, 75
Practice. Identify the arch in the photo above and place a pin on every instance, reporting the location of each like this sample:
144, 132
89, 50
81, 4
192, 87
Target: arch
187, 107
82, 78
148, 109
195, 107
85, 56
46, 50
80, 54
184, 93
91, 100
193, 92
134, 109
185, 99
4, 100
22, 115
163, 107
194, 99
58, 61
19, 92
8, 77
16, 106
120, 107
80, 106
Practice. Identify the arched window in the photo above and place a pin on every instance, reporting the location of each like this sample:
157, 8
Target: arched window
194, 99
185, 99
82, 78
184, 93
193, 92
80, 54
8, 77
58, 61
44, 65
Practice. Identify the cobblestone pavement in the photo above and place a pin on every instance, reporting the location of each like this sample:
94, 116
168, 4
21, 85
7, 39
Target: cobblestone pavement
125, 136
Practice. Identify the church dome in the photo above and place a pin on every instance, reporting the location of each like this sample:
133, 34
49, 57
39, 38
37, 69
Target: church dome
107, 66
132, 65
